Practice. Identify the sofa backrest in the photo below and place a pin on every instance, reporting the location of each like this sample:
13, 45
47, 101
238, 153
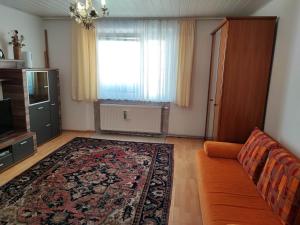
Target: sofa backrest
254, 153
279, 185
276, 172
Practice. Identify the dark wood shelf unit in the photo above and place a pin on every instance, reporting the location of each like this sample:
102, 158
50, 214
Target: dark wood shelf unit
14, 138
25, 117
16, 147
29, 131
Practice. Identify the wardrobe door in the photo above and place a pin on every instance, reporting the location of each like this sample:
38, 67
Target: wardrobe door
249, 51
219, 82
216, 40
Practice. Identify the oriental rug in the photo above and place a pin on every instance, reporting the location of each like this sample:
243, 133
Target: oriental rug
92, 181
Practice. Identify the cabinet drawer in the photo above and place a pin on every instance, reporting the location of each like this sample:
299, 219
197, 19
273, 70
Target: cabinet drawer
44, 134
39, 116
40, 107
23, 149
5, 152
6, 161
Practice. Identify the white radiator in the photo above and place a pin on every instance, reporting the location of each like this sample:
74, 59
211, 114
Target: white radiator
131, 118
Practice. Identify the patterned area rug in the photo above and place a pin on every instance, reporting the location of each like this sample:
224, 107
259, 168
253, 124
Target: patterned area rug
91, 181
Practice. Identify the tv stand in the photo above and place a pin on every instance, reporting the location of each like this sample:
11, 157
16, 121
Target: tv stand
16, 147
5, 136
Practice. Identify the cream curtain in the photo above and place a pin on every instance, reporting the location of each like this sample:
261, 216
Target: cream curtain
84, 78
185, 61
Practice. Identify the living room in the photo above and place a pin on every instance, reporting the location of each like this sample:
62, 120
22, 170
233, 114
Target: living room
149, 112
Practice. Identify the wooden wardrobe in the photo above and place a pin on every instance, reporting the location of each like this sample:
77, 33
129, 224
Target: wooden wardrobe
241, 61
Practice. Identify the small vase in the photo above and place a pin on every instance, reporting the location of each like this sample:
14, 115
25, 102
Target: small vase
17, 53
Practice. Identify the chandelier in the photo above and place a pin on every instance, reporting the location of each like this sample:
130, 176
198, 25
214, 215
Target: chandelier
86, 13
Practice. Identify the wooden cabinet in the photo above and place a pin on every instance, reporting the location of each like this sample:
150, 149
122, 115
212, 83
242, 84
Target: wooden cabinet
16, 147
23, 149
6, 158
242, 52
34, 95
45, 116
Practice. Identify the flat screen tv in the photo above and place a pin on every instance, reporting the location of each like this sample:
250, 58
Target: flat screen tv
6, 120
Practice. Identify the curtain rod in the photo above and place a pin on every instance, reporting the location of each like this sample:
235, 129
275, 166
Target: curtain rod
143, 18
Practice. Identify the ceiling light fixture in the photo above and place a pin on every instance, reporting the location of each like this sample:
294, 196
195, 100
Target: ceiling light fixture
85, 14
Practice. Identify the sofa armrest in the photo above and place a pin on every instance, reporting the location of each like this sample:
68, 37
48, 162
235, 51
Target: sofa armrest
222, 149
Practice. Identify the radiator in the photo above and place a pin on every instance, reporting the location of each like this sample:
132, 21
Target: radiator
131, 118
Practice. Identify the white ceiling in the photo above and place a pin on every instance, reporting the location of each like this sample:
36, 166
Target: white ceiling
144, 8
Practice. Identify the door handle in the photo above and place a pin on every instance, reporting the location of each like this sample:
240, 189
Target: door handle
23, 143
4, 153
125, 115
40, 108
2, 164
48, 125
53, 104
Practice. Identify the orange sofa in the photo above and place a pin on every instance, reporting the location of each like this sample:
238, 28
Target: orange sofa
227, 195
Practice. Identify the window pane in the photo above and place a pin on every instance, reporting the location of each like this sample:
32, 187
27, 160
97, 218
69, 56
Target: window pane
137, 60
119, 66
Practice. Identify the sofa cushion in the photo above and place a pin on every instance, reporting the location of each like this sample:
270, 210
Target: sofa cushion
279, 185
222, 149
254, 153
228, 196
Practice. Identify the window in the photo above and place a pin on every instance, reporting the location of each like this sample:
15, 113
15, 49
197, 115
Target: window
137, 60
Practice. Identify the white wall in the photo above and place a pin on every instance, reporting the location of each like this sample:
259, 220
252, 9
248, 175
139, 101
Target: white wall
191, 121
75, 115
28, 25
283, 110
80, 116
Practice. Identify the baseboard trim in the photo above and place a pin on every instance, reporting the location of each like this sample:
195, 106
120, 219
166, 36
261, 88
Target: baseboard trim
186, 136
138, 134
82, 131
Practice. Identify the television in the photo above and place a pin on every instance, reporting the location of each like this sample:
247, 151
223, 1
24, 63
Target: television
6, 119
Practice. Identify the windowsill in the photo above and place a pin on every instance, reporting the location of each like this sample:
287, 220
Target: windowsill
132, 102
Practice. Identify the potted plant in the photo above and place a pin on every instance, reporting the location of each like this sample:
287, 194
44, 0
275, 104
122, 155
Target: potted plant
17, 43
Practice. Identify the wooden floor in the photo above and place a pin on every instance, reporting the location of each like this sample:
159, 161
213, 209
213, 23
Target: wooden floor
185, 209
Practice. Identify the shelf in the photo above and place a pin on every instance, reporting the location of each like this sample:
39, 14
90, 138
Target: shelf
11, 63
11, 60
13, 138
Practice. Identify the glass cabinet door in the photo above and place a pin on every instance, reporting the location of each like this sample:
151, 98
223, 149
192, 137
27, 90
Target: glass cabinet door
38, 86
